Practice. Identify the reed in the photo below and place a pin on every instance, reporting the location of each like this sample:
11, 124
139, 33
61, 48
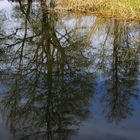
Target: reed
128, 9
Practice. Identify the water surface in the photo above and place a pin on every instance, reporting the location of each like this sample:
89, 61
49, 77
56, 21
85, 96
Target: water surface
67, 77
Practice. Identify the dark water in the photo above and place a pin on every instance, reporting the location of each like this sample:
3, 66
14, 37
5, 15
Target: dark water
66, 76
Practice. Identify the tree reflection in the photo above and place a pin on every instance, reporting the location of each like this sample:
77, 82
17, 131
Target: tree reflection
49, 90
122, 81
117, 60
52, 73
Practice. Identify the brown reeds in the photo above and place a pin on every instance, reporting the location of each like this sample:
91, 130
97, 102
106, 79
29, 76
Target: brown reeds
122, 9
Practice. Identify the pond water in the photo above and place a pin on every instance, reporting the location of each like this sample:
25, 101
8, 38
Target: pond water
67, 77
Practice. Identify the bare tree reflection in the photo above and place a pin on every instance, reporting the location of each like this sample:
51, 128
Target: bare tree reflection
52, 72
121, 85
49, 88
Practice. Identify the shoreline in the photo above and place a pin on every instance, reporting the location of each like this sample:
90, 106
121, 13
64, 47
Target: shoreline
126, 12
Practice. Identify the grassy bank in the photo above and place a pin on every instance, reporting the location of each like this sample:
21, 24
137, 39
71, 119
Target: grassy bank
128, 9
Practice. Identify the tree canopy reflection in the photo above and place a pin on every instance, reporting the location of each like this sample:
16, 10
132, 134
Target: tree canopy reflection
49, 91
52, 73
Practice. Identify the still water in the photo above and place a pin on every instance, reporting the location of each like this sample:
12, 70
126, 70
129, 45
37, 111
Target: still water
67, 77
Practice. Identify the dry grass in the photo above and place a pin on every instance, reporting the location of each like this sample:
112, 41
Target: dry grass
124, 9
